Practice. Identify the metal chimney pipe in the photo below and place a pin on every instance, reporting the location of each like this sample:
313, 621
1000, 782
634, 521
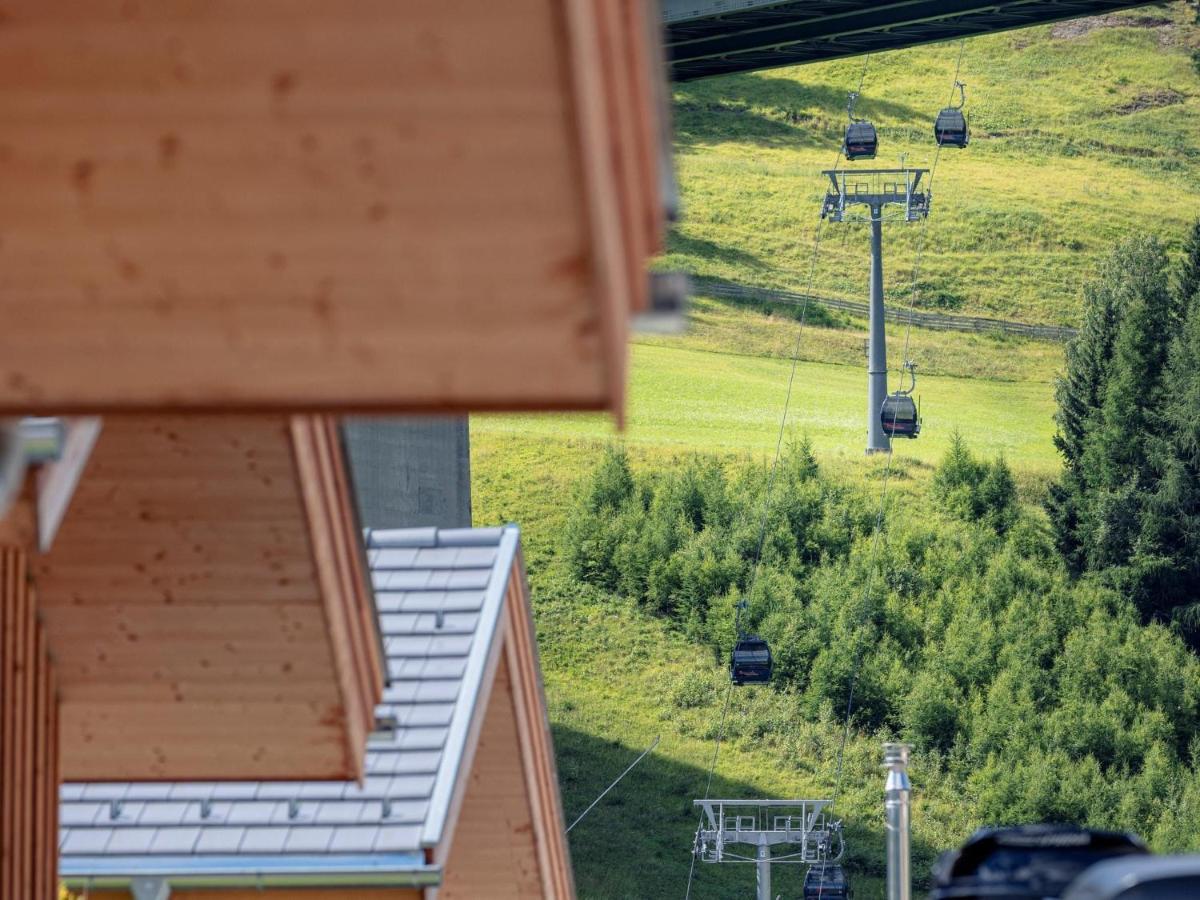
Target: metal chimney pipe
896, 805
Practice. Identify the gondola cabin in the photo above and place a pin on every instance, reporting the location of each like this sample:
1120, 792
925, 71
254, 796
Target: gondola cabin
900, 416
950, 128
751, 661
861, 141
827, 882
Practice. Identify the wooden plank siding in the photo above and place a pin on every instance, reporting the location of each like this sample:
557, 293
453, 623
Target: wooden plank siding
537, 745
494, 851
266, 893
508, 840
436, 205
207, 606
28, 740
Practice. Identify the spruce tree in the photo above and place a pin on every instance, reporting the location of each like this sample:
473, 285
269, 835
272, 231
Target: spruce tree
1080, 394
1116, 463
1109, 407
1168, 557
1185, 284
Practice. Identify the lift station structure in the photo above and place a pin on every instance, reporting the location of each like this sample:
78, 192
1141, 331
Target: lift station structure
872, 195
802, 829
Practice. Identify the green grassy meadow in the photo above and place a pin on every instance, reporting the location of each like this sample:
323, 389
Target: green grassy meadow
686, 399
610, 669
1080, 135
1076, 139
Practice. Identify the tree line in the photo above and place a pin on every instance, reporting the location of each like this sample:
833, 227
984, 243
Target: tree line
1127, 507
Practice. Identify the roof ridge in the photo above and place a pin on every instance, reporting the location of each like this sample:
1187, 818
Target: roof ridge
432, 536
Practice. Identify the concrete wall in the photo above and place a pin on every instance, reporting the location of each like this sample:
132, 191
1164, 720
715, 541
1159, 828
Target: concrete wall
410, 472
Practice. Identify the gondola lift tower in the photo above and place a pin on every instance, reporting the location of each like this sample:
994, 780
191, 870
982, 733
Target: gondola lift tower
873, 195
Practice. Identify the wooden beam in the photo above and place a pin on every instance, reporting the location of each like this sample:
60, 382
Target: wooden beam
28, 740
297, 207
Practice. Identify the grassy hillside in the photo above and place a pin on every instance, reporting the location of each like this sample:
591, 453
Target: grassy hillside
613, 673
719, 326
682, 398
1080, 133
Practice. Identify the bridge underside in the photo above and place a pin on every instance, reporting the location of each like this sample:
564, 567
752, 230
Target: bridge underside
717, 37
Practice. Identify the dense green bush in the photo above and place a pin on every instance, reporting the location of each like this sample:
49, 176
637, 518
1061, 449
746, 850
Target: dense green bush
1043, 696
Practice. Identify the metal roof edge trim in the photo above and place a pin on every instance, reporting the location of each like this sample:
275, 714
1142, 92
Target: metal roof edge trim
464, 707
376, 869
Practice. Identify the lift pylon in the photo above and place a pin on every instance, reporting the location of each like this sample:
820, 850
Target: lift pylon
865, 195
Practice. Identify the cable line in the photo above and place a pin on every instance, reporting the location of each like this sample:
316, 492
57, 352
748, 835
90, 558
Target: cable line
887, 472
617, 781
769, 488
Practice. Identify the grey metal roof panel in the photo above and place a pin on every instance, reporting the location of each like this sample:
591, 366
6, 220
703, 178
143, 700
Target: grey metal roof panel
175, 840
129, 840
403, 537
264, 840
470, 537
80, 813
308, 840
219, 839
438, 597
356, 839
83, 840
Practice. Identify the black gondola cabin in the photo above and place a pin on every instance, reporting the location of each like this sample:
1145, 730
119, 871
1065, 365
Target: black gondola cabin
826, 882
950, 128
900, 416
861, 141
751, 661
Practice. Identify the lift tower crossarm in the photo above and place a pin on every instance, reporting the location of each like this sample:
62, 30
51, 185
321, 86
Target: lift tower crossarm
874, 189
804, 825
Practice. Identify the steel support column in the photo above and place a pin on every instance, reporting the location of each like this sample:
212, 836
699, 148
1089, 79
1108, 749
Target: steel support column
877, 441
763, 867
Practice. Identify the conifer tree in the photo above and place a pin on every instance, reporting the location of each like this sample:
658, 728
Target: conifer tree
1109, 403
1185, 284
1168, 557
1080, 393
1116, 466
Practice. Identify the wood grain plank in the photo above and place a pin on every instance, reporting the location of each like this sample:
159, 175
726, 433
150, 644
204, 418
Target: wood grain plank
28, 740
382, 218
184, 583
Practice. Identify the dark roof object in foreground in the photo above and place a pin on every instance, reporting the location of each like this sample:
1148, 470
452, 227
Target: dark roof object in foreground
717, 37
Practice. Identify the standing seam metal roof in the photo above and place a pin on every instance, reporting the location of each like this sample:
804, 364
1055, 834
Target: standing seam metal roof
439, 594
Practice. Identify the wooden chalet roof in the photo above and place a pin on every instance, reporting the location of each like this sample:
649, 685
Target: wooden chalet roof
206, 603
441, 597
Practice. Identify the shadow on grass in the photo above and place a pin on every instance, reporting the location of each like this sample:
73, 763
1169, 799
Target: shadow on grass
772, 111
677, 242
637, 842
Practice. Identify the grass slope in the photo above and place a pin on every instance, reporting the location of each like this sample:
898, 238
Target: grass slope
612, 672
683, 398
1082, 132
724, 327
613, 676
1061, 165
